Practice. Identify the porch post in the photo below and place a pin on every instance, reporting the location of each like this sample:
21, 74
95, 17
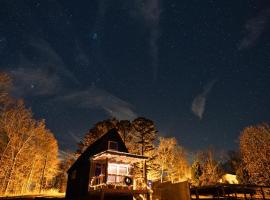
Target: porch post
106, 171
144, 172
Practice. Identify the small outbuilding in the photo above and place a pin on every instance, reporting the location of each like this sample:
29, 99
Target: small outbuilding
105, 171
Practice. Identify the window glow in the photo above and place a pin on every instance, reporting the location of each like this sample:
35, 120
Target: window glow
118, 169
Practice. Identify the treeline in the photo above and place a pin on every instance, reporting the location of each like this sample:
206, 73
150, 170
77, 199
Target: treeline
141, 137
169, 161
28, 150
250, 164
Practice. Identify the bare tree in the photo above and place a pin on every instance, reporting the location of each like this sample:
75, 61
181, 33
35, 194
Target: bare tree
210, 166
27, 148
172, 160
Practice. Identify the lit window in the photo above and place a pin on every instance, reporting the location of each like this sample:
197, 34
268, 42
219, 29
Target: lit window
122, 170
118, 169
117, 172
112, 169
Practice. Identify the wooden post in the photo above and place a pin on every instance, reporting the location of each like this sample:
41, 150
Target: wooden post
197, 194
262, 193
148, 196
244, 189
145, 172
102, 195
218, 192
223, 191
106, 171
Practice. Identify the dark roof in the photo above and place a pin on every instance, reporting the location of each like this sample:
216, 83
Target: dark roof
100, 145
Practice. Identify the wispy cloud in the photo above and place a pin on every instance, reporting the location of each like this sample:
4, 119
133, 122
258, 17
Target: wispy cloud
49, 58
98, 98
199, 102
34, 82
151, 12
47, 75
73, 136
42, 74
254, 28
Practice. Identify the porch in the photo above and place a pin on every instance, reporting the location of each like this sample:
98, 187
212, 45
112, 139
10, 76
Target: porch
112, 173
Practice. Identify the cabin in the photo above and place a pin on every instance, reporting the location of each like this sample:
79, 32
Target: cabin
105, 171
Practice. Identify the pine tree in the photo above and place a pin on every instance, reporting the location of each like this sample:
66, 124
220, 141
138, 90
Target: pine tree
144, 136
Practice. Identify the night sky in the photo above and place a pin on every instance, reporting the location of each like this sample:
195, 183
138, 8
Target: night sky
199, 69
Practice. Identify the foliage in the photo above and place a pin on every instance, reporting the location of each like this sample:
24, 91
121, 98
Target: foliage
67, 159
206, 169
138, 135
196, 172
102, 127
171, 160
144, 134
255, 150
28, 151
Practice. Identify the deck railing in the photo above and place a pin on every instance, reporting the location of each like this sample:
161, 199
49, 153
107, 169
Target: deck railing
116, 181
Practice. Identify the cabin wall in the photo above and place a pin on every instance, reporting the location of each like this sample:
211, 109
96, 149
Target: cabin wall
78, 186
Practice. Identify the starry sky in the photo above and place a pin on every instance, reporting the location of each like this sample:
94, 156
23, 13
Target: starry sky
199, 69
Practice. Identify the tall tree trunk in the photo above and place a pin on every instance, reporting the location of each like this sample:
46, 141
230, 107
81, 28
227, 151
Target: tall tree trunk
2, 156
6, 185
26, 185
14, 163
162, 172
42, 175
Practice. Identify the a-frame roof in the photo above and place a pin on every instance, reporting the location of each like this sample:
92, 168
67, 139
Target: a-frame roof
98, 146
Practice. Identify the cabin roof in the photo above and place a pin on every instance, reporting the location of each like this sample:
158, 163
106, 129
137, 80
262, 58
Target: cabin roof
117, 156
100, 145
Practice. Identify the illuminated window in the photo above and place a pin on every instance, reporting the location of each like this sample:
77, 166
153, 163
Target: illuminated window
113, 145
122, 170
117, 172
112, 169
118, 169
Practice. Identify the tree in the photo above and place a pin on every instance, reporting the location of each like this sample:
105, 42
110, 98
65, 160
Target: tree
67, 159
94, 133
209, 167
28, 151
144, 135
138, 135
255, 151
5, 87
171, 159
124, 128
100, 128
196, 172
180, 170
165, 154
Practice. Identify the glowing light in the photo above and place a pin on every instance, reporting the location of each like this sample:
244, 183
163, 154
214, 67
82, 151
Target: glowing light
229, 178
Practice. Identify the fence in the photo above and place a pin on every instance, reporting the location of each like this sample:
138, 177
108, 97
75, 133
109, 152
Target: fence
230, 191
